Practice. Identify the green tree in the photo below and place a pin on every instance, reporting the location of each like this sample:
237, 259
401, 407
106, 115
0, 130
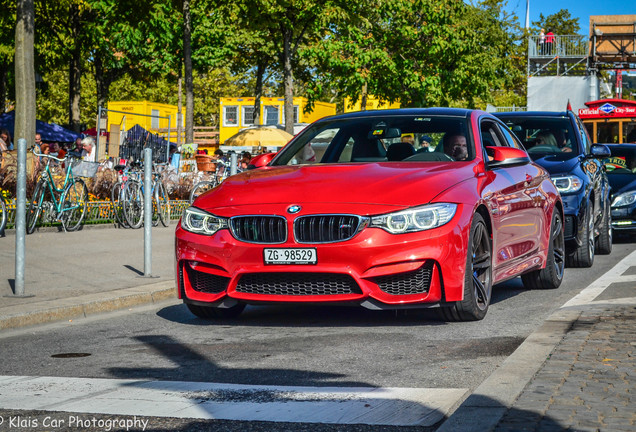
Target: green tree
7, 51
560, 23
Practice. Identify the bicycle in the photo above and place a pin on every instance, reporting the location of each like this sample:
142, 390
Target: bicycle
124, 172
4, 214
132, 197
67, 203
221, 172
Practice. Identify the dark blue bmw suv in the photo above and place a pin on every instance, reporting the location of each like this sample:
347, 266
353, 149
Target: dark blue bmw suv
559, 142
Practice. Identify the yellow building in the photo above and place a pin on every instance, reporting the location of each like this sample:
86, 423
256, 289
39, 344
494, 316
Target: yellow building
125, 114
238, 113
372, 104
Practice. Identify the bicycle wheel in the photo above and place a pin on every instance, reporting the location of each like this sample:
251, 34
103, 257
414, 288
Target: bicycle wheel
3, 215
34, 206
133, 203
163, 204
115, 198
200, 188
75, 202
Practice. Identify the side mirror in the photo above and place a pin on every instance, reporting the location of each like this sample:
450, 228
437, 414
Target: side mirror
506, 156
600, 151
260, 160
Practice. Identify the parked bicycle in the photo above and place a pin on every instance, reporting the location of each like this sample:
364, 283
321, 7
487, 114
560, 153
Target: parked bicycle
131, 198
4, 215
221, 172
66, 204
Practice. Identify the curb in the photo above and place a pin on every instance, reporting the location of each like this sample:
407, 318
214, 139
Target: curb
86, 305
483, 409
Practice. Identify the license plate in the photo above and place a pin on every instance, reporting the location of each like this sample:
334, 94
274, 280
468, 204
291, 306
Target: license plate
290, 256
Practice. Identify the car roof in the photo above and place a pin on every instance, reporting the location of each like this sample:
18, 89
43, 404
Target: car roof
457, 112
533, 114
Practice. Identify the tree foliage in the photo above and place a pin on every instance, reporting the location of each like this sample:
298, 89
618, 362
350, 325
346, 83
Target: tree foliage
420, 52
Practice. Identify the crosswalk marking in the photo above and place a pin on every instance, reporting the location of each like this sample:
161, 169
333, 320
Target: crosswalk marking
590, 293
335, 405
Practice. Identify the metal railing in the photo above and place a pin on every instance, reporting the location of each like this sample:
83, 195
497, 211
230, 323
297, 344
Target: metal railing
563, 46
100, 212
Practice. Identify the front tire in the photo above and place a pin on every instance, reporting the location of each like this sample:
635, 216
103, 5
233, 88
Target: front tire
34, 207
75, 204
605, 237
163, 204
583, 256
551, 276
133, 204
478, 278
211, 313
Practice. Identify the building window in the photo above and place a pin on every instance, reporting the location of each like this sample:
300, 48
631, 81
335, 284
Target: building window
154, 120
295, 114
248, 115
271, 115
230, 116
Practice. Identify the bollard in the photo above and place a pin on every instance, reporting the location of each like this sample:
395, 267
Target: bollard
147, 212
20, 220
233, 162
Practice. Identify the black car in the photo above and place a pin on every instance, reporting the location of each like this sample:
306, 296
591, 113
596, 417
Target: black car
559, 142
621, 172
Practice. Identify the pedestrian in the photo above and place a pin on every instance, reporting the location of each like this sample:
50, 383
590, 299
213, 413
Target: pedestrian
88, 154
542, 42
5, 136
549, 41
79, 147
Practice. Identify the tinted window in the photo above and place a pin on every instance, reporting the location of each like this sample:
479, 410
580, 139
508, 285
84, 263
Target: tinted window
409, 138
552, 137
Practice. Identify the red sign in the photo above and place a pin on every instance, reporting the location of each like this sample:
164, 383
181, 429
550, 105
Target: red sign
591, 113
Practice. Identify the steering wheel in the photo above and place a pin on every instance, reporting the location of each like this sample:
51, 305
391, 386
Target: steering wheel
544, 149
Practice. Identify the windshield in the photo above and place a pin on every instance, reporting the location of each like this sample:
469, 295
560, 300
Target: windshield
621, 167
409, 138
545, 136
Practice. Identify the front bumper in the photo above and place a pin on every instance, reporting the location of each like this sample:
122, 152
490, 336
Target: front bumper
374, 269
624, 218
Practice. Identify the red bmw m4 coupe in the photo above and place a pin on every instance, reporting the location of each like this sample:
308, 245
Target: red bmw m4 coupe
383, 209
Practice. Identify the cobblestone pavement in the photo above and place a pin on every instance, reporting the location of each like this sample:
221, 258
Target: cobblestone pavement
588, 383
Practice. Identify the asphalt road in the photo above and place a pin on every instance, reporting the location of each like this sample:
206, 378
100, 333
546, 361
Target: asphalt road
291, 346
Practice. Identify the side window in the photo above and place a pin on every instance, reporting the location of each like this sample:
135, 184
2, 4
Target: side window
490, 137
511, 139
585, 138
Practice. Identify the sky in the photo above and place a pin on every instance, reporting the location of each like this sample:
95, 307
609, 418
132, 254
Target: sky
581, 9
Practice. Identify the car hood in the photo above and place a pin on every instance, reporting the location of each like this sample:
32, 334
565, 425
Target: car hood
621, 183
397, 185
556, 165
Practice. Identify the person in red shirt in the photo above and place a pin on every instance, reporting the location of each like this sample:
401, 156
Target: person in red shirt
549, 41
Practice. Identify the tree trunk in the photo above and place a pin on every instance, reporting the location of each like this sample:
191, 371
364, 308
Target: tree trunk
289, 81
260, 71
24, 74
75, 72
187, 60
102, 83
363, 97
4, 68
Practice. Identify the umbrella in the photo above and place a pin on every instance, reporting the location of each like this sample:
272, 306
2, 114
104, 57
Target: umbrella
260, 137
49, 131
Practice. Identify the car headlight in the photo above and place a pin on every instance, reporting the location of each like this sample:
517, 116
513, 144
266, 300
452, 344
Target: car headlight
567, 184
201, 222
416, 219
624, 199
